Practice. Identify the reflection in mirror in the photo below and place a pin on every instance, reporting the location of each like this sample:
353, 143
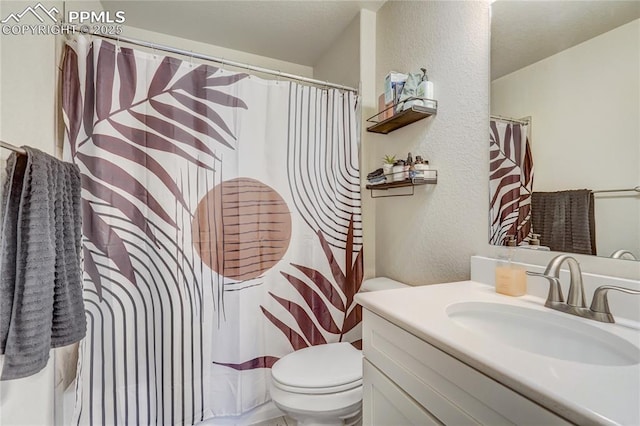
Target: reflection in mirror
565, 126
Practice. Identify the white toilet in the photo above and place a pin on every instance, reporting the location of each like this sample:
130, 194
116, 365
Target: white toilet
322, 385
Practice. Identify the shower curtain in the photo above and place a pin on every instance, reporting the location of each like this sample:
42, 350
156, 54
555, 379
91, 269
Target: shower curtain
510, 181
221, 230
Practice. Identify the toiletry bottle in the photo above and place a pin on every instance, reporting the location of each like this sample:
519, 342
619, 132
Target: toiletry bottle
534, 243
425, 90
510, 279
410, 170
535, 240
419, 167
422, 169
425, 170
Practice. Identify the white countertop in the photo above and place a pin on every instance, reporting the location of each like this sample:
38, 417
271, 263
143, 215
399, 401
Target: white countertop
582, 393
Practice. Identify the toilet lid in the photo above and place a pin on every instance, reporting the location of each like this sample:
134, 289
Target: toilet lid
322, 366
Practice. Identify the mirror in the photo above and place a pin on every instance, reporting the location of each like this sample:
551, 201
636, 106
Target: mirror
571, 70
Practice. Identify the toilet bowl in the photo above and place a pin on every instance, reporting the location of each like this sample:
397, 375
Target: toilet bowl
322, 385
319, 385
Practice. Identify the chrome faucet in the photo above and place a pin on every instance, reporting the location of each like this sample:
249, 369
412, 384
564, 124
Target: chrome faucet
576, 304
555, 299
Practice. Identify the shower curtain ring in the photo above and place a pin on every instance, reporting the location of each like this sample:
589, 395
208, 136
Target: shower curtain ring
153, 49
118, 44
191, 59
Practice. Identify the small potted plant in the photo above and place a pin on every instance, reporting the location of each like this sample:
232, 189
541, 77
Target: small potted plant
387, 164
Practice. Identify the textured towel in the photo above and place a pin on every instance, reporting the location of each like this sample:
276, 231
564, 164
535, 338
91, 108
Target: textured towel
565, 220
376, 173
41, 302
377, 180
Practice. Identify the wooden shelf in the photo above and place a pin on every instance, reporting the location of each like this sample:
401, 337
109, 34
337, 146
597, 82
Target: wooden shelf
407, 183
402, 118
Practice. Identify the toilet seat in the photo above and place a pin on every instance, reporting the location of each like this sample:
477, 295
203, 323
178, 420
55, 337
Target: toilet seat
323, 369
318, 391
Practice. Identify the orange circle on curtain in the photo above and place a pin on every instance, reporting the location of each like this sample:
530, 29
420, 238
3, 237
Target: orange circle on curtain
241, 228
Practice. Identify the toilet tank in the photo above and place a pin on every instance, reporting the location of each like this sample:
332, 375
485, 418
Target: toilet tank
380, 283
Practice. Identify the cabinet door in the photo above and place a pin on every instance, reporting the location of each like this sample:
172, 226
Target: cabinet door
452, 391
386, 404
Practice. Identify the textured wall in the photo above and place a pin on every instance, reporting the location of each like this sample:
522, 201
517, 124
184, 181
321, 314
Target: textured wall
428, 238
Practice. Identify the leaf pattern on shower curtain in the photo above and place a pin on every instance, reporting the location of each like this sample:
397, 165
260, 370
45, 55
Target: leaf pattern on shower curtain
323, 297
129, 124
510, 181
327, 303
140, 128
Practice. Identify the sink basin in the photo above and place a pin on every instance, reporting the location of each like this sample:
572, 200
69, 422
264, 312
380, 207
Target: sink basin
545, 333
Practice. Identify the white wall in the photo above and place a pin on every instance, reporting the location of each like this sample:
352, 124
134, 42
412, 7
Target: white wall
29, 80
340, 63
428, 238
585, 103
220, 52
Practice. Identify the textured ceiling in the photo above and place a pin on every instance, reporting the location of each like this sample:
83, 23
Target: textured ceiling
525, 32
294, 31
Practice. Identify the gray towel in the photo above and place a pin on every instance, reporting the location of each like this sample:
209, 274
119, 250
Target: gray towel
565, 220
41, 305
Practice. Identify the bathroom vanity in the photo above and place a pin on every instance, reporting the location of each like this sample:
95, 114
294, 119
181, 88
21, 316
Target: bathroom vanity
458, 353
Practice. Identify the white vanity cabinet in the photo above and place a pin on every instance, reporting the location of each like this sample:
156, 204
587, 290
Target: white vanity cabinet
409, 381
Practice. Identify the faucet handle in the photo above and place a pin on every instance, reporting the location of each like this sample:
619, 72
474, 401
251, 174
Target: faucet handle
555, 291
600, 302
619, 254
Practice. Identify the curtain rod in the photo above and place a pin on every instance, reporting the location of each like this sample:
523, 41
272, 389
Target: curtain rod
526, 120
636, 189
191, 54
10, 147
